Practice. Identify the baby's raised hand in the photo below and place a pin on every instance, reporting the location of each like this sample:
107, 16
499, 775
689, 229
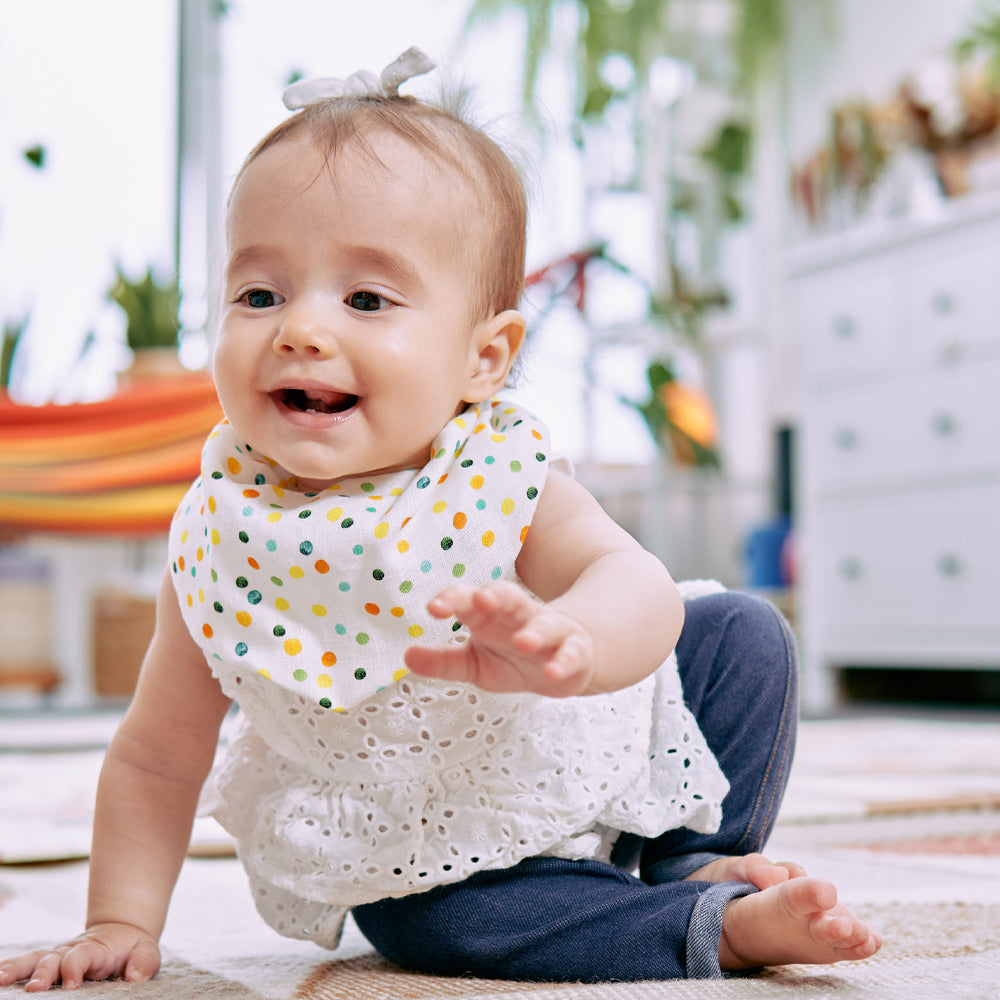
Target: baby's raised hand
515, 643
102, 951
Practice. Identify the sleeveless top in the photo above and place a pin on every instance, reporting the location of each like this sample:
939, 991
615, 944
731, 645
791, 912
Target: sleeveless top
349, 780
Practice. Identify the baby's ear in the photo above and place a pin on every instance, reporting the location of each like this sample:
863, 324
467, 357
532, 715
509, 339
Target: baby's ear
495, 344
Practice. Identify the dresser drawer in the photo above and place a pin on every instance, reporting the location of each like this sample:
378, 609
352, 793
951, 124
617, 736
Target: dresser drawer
846, 319
925, 560
942, 421
951, 294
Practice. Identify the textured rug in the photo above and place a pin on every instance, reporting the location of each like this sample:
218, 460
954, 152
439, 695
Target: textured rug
901, 814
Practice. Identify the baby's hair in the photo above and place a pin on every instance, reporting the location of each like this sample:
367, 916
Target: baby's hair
442, 133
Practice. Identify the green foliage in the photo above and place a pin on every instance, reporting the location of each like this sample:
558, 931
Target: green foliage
151, 309
35, 155
9, 337
982, 38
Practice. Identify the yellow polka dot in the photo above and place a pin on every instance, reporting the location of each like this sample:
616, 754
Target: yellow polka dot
281, 604
216, 537
507, 506
184, 537
296, 571
318, 610
334, 515
499, 437
415, 631
476, 482
278, 491
211, 504
329, 659
381, 530
200, 554
403, 546
489, 538
400, 674
293, 647
343, 711
274, 516
201, 596
397, 612
509, 410
459, 422
396, 491
190, 601
478, 428
264, 673
234, 466
439, 506
243, 617
324, 680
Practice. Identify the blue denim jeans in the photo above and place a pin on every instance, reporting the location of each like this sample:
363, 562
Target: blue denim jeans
550, 920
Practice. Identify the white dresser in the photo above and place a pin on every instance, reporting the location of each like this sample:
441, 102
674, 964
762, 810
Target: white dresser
899, 453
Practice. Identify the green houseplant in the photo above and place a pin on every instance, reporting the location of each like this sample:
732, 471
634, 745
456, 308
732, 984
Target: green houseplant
153, 325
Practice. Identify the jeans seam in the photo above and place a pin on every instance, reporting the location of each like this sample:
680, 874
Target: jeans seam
781, 746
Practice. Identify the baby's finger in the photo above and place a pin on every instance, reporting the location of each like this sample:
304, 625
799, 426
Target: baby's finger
144, 962
46, 972
543, 631
13, 970
450, 663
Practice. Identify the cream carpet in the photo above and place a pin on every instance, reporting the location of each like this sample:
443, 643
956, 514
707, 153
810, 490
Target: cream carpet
904, 815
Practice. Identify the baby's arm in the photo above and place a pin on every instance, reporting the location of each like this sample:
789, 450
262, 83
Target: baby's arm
146, 801
611, 615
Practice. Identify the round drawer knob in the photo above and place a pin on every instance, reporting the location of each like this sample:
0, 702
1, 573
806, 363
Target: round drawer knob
942, 303
949, 564
845, 438
844, 326
944, 424
849, 567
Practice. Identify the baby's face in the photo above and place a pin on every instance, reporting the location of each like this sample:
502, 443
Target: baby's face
346, 342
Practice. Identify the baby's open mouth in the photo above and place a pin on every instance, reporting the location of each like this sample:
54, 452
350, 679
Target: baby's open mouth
317, 400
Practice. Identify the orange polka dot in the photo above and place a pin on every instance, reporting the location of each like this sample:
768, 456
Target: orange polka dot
442, 479
536, 435
251, 494
234, 466
252, 563
372, 609
460, 520
180, 562
406, 522
397, 612
206, 631
322, 566
329, 659
524, 533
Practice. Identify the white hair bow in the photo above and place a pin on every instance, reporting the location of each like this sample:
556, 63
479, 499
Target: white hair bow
364, 83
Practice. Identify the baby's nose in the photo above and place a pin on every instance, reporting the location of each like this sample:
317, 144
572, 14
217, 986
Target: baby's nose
306, 330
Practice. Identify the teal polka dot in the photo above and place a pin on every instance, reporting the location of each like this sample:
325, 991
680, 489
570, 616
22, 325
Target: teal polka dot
497, 573
358, 550
254, 597
423, 482
241, 649
248, 511
425, 566
306, 548
340, 629
271, 545
489, 459
344, 587
259, 479
480, 504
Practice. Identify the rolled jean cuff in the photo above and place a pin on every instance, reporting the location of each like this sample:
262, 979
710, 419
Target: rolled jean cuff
677, 868
705, 928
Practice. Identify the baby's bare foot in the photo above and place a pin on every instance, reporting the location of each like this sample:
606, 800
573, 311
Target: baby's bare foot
798, 921
752, 868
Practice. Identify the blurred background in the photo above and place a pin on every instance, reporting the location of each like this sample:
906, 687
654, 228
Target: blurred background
763, 299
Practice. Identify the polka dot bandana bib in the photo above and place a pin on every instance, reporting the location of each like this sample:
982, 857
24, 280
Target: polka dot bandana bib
323, 592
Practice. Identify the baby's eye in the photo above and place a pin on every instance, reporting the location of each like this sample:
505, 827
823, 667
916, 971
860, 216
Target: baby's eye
259, 298
367, 301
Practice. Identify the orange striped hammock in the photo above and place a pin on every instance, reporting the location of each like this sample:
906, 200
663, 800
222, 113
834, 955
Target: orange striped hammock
117, 467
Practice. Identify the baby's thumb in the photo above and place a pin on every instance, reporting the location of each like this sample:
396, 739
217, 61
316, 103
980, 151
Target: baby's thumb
143, 963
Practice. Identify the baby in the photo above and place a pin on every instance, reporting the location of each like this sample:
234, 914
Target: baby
460, 682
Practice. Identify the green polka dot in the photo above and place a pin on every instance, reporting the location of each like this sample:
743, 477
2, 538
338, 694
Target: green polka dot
325, 703
306, 548
347, 522
423, 482
456, 627
406, 586
277, 581
458, 570
215, 577
242, 582
244, 537
241, 649
216, 475
378, 574
218, 607
540, 456
362, 639
279, 631
360, 674
467, 463
532, 492
303, 514
368, 487
515, 466
259, 479
254, 597
300, 675
447, 543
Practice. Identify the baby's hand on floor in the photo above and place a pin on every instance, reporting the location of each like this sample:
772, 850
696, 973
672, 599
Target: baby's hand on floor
515, 644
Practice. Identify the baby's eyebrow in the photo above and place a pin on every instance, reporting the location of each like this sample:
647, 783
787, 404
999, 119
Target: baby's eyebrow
385, 261
248, 255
